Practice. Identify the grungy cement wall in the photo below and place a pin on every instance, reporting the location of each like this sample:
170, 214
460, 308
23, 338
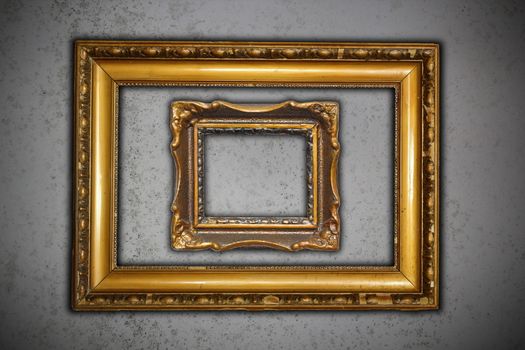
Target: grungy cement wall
483, 158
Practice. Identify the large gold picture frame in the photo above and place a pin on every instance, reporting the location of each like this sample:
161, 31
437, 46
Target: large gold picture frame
316, 122
411, 283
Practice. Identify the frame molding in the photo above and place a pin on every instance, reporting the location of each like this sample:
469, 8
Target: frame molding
101, 67
319, 229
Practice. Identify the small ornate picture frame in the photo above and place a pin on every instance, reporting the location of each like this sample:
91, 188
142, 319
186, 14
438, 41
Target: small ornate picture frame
316, 121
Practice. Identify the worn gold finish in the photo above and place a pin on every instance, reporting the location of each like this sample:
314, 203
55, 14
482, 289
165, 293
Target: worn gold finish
317, 121
412, 283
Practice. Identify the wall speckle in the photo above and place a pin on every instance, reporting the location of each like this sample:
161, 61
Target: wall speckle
483, 159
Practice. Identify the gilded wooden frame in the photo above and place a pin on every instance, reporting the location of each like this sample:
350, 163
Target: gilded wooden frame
101, 67
317, 121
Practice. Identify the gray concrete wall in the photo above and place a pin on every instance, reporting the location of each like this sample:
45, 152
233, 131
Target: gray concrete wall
483, 158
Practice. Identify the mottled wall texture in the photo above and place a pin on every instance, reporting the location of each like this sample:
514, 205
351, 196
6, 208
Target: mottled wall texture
483, 158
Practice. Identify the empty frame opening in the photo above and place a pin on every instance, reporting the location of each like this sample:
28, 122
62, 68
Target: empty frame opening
366, 176
257, 174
